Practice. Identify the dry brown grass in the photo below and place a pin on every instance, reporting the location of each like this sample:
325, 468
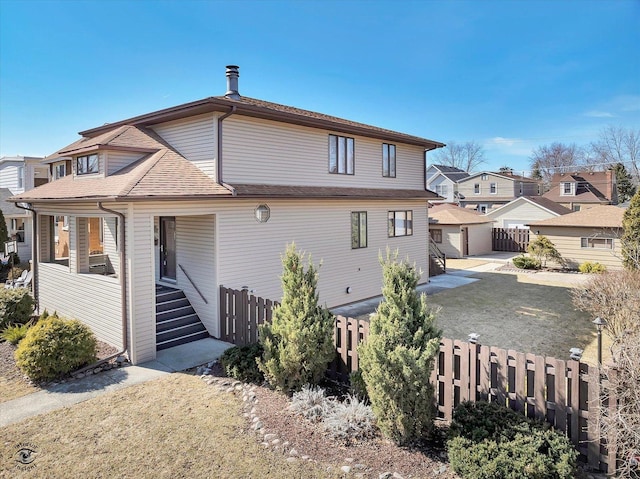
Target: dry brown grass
173, 427
12, 382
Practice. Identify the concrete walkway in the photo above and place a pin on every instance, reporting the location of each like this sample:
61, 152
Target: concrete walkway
78, 390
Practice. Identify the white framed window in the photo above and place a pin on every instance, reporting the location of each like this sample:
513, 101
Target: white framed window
388, 160
484, 177
442, 190
566, 188
400, 223
476, 188
358, 229
575, 208
483, 208
59, 171
596, 243
493, 188
20, 176
341, 155
88, 164
521, 188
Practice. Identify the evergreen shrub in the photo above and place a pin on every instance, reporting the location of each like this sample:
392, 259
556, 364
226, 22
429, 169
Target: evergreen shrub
397, 358
240, 362
54, 347
298, 343
16, 306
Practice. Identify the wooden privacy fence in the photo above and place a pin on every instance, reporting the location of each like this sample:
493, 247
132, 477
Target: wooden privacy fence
566, 394
510, 239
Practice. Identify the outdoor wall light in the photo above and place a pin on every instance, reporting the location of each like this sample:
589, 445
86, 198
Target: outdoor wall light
599, 322
473, 338
263, 213
576, 354
348, 289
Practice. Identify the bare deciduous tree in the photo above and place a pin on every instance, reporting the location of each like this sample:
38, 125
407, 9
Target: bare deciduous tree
556, 158
466, 156
618, 145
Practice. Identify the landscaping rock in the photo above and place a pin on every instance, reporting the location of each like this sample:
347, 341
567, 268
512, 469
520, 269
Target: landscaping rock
346, 469
269, 437
397, 476
385, 475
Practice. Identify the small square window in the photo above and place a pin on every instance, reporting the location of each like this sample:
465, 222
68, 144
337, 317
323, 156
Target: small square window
400, 223
358, 229
436, 235
484, 177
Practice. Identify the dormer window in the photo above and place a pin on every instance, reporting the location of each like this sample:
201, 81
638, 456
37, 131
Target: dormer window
86, 165
567, 188
59, 171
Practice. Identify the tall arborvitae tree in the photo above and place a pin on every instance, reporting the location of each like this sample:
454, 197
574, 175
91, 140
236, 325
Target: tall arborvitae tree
397, 358
625, 187
298, 343
631, 234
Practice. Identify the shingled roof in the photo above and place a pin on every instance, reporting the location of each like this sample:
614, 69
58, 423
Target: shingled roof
447, 214
601, 216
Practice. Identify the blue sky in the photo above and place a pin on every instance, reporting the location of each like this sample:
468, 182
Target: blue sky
509, 75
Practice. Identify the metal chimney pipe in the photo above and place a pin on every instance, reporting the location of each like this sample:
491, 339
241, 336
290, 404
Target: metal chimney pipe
232, 82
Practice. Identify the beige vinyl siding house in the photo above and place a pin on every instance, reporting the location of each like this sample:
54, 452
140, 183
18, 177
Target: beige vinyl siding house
592, 235
486, 190
459, 233
189, 215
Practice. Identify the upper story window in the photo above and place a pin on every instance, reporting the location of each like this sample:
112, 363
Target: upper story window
341, 155
521, 188
59, 171
400, 223
493, 188
358, 229
388, 160
86, 165
442, 190
567, 188
476, 188
20, 176
484, 177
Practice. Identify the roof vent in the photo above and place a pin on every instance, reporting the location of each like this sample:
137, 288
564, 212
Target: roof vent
232, 82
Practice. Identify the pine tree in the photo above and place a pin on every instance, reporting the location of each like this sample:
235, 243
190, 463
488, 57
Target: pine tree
624, 185
631, 234
397, 358
298, 343
543, 250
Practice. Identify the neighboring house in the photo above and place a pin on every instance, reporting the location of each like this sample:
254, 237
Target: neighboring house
19, 174
486, 190
583, 190
459, 232
443, 180
592, 234
209, 193
521, 211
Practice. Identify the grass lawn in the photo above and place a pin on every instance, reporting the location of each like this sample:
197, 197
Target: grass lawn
173, 427
523, 312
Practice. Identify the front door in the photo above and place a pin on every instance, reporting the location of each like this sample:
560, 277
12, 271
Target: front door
168, 248
465, 242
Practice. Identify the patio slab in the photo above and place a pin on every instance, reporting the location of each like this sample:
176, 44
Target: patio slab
189, 355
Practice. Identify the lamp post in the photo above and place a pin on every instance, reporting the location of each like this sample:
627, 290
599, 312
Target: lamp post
599, 322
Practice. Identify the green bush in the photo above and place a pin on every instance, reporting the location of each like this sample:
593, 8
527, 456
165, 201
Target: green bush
397, 358
544, 250
54, 347
357, 386
589, 267
298, 343
526, 262
15, 333
492, 441
241, 363
16, 306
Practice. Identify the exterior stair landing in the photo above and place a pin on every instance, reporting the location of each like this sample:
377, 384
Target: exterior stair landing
176, 320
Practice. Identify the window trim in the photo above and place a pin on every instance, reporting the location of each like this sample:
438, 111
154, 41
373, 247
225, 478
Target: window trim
349, 166
493, 186
86, 159
477, 189
586, 242
437, 238
56, 170
389, 161
360, 244
20, 176
563, 188
484, 177
440, 187
392, 230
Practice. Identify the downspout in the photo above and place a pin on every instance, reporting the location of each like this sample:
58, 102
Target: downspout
123, 288
34, 251
220, 120
424, 164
